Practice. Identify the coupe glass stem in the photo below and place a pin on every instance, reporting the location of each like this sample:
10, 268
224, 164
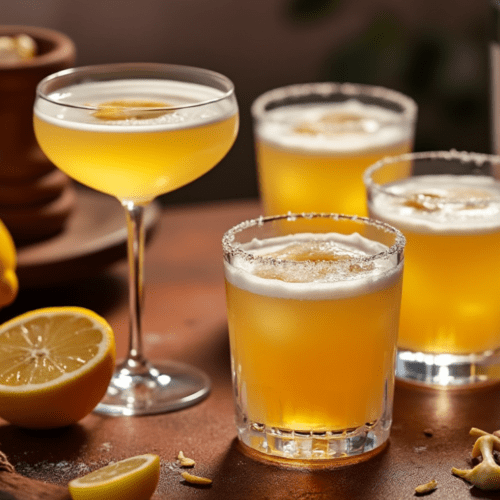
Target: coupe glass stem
136, 241
139, 387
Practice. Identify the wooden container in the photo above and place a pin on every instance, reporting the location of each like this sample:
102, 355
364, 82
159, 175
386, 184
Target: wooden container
35, 197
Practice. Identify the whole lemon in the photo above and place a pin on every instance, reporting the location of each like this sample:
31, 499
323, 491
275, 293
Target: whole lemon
9, 284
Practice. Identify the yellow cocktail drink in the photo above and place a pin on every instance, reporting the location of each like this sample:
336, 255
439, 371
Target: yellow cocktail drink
136, 131
451, 291
312, 343
311, 156
321, 181
136, 157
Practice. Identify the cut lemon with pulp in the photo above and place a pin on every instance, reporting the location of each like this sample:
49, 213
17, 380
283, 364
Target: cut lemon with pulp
134, 478
55, 366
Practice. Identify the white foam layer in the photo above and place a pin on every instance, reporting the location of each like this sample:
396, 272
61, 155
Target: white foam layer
379, 128
316, 280
457, 205
172, 92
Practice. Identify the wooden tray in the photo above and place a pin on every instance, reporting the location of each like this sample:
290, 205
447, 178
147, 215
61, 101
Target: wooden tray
94, 237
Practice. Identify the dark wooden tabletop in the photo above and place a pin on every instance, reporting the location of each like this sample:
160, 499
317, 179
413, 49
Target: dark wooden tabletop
185, 319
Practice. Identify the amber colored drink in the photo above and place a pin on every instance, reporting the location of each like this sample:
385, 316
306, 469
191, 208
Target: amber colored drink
452, 276
311, 156
312, 345
130, 157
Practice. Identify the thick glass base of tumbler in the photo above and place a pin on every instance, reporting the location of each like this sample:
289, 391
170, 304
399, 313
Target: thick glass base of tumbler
448, 370
149, 389
310, 447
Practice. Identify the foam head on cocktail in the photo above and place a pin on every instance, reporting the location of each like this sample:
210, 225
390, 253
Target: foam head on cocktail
313, 320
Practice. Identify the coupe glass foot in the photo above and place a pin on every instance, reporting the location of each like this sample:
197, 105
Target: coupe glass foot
148, 389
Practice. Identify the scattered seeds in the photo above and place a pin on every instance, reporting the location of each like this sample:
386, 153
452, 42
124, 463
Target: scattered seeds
426, 488
185, 461
195, 479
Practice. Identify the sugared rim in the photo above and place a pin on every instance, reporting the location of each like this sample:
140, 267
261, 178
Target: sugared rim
232, 249
464, 156
121, 69
258, 108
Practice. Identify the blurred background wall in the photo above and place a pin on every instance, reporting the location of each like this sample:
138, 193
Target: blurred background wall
434, 51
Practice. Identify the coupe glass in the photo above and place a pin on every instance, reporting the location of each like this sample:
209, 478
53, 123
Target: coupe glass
136, 131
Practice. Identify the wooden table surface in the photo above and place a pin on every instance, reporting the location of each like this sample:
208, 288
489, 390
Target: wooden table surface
185, 319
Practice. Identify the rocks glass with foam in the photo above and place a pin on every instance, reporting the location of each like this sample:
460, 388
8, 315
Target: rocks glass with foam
447, 204
313, 306
313, 142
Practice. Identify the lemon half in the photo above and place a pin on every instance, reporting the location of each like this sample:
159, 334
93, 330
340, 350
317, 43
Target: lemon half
55, 366
134, 478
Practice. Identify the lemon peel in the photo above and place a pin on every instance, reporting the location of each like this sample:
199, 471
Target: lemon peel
125, 109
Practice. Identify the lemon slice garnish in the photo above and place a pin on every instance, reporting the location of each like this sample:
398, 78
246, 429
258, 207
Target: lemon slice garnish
332, 123
124, 109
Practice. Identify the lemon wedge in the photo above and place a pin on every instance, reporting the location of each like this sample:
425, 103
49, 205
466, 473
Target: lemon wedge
55, 366
134, 478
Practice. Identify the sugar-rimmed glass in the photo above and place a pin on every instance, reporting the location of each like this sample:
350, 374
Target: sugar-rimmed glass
313, 319
447, 203
136, 131
314, 140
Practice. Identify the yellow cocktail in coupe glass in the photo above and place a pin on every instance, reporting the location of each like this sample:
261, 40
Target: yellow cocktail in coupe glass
313, 320
447, 204
136, 131
314, 141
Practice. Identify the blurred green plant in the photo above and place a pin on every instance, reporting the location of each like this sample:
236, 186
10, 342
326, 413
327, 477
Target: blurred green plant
445, 71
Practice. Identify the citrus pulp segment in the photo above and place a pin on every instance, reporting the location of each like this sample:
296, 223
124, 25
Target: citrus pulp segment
55, 366
134, 478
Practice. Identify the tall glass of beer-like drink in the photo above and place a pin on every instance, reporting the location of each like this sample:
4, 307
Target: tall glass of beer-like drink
313, 319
